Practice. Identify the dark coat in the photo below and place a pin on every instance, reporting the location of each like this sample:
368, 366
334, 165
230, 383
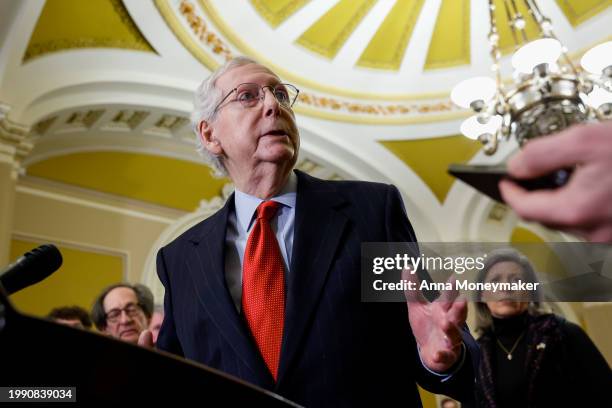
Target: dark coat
562, 365
336, 350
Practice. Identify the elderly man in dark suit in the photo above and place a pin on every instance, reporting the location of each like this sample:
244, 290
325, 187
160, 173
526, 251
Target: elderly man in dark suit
268, 288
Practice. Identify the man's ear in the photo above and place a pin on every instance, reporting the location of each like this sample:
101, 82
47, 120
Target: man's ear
209, 141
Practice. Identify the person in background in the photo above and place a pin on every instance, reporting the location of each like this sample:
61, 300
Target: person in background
530, 358
123, 311
73, 316
584, 205
156, 321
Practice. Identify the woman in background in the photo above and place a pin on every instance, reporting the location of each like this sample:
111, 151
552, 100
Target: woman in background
530, 358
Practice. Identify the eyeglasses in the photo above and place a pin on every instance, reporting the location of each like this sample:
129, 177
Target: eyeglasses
249, 94
131, 310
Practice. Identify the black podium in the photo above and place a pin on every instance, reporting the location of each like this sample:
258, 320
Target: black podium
39, 353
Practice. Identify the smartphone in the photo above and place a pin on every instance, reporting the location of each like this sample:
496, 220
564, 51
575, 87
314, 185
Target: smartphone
485, 178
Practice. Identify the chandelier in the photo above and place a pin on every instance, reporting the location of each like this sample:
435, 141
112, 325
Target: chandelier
547, 93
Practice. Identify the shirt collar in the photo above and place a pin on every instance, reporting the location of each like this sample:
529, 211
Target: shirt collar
246, 204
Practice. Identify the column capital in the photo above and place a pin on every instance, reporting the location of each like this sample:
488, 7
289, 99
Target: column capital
15, 144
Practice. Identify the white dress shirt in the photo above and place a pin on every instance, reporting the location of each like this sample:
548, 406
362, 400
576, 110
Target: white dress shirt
240, 223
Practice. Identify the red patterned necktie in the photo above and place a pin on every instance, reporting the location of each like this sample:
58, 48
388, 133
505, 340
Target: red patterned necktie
263, 287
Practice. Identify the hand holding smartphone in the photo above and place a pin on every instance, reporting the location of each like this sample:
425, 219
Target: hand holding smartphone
485, 178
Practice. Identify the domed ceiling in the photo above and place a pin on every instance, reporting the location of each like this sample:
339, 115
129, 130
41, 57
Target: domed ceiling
106, 86
365, 60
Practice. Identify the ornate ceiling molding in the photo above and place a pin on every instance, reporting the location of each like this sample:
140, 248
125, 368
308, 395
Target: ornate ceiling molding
128, 128
15, 144
133, 139
210, 13
341, 88
197, 31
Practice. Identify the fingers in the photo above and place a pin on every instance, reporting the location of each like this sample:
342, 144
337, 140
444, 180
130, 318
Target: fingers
571, 208
146, 339
546, 154
449, 321
446, 357
447, 297
457, 314
602, 234
541, 205
451, 334
444, 343
442, 353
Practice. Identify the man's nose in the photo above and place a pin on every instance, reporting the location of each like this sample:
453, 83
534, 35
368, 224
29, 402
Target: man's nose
125, 318
271, 105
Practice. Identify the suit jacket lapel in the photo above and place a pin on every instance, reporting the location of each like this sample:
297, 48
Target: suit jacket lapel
318, 229
206, 264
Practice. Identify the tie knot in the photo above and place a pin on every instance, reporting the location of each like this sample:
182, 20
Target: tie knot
267, 210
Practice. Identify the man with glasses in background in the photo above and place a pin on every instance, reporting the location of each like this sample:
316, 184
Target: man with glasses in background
268, 288
123, 311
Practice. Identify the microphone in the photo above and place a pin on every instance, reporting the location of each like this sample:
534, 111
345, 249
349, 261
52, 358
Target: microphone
31, 268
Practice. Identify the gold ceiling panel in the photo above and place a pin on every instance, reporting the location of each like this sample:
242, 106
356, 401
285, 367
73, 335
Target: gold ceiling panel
277, 11
578, 11
321, 96
429, 158
507, 41
327, 35
387, 47
450, 41
69, 24
154, 179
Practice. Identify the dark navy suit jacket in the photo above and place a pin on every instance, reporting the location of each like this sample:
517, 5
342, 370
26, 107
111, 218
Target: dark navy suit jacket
336, 350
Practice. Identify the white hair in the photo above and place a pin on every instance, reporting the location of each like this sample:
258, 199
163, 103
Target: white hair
207, 96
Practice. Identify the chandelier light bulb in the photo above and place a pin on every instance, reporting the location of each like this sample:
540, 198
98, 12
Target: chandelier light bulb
474, 89
534, 53
472, 127
598, 58
546, 94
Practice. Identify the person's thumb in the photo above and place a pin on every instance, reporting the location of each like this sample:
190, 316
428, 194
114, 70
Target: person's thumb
146, 339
